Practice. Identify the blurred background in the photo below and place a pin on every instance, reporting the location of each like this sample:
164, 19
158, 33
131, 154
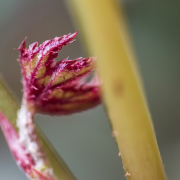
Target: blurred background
84, 140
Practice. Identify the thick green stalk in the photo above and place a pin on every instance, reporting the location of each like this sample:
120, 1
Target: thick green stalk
9, 108
104, 31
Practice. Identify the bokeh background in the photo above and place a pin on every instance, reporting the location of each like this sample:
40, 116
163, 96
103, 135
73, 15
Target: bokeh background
84, 140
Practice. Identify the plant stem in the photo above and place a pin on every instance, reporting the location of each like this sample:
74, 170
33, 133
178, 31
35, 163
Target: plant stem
28, 138
9, 108
103, 27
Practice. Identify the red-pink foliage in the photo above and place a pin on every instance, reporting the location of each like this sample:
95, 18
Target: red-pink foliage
57, 88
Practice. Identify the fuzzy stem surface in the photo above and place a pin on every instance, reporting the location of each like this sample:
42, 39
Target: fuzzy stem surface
29, 139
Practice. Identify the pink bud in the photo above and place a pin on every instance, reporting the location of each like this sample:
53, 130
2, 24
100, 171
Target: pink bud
56, 88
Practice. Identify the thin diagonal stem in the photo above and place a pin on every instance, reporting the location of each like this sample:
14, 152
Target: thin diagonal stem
9, 108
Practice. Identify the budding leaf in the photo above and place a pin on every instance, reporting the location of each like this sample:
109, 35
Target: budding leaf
57, 88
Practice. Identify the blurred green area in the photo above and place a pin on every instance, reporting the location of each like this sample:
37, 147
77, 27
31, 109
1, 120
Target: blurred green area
84, 140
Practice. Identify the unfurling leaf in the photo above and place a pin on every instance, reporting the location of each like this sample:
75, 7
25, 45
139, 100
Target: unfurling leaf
57, 88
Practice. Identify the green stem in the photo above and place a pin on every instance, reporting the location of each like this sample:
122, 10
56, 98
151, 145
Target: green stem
9, 108
105, 33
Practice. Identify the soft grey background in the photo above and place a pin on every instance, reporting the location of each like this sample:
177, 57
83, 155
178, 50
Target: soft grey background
84, 140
